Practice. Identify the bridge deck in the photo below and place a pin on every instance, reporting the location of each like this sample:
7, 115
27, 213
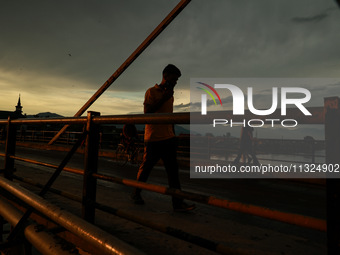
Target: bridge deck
245, 233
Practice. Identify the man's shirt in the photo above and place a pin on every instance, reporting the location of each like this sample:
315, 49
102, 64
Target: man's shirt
158, 132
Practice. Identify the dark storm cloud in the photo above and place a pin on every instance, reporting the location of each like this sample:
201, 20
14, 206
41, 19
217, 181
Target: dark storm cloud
83, 40
50, 45
208, 38
315, 18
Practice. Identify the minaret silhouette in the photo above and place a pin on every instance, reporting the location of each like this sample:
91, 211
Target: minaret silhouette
18, 107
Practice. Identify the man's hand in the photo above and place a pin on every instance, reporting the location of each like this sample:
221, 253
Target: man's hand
167, 94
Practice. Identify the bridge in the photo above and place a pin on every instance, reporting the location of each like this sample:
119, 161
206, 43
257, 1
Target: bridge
88, 208
66, 202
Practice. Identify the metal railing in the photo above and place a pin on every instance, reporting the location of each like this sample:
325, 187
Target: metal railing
93, 120
225, 148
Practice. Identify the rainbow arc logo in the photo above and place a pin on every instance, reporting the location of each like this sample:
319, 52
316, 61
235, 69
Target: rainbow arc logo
204, 96
209, 93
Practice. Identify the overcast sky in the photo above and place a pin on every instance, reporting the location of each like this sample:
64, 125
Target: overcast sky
56, 54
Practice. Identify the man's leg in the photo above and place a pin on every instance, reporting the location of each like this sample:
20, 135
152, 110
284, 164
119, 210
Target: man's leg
150, 158
238, 157
169, 157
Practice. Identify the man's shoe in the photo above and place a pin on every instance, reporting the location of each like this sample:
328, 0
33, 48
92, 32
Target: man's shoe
184, 207
137, 199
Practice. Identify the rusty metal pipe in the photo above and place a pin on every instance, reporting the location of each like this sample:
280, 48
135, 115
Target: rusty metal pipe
205, 243
67, 120
178, 118
219, 247
211, 245
70, 196
41, 240
167, 20
46, 187
67, 169
167, 118
104, 242
291, 218
154, 118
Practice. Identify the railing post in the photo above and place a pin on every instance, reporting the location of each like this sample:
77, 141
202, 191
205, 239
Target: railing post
10, 150
90, 167
332, 140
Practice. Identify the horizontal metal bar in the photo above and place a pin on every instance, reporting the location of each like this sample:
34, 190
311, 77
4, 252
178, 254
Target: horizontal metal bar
70, 196
105, 243
222, 248
154, 118
41, 240
67, 169
185, 236
180, 118
66, 120
291, 218
66, 235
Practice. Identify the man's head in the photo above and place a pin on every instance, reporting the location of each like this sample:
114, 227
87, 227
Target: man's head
170, 75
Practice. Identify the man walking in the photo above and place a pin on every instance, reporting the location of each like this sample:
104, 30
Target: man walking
159, 139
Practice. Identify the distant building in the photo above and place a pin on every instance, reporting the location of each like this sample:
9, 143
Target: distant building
17, 114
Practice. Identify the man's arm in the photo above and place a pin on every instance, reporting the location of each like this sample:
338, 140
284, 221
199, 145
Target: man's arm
151, 106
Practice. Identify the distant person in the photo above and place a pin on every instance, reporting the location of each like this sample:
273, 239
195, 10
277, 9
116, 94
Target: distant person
22, 132
160, 141
129, 138
246, 146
